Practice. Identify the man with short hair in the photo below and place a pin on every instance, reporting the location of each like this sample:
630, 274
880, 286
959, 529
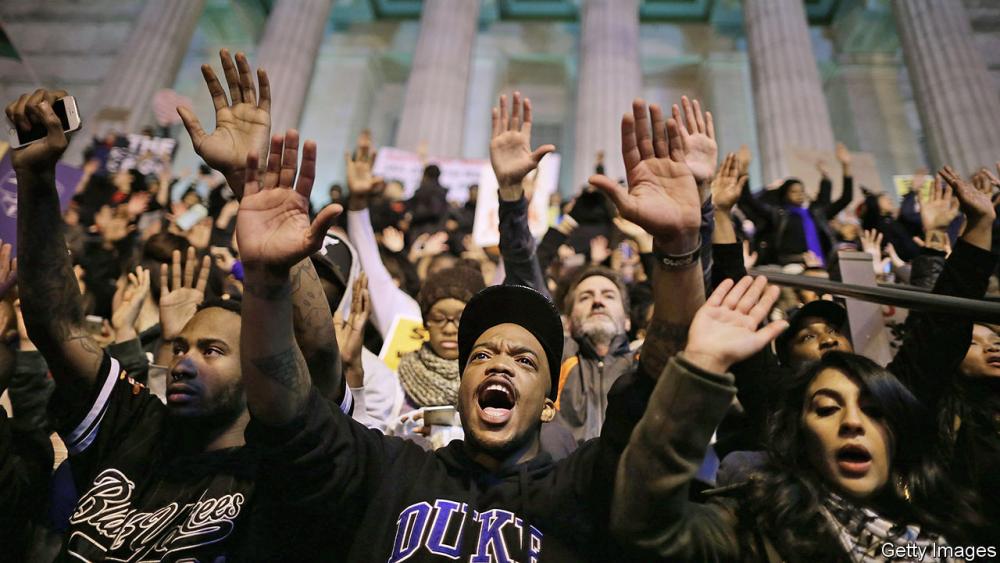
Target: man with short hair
157, 481
597, 352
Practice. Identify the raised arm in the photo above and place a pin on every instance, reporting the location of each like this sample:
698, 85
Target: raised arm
390, 300
50, 296
650, 510
512, 160
243, 124
847, 190
275, 234
935, 345
663, 198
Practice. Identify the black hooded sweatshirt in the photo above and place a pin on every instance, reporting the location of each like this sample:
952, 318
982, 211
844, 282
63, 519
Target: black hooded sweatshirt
347, 493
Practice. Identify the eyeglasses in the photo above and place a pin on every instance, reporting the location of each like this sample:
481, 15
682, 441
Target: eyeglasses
439, 321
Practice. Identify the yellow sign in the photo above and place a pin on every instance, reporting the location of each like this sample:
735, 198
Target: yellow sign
904, 185
406, 334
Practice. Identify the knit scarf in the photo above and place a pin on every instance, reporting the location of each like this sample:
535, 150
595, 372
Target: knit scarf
862, 533
428, 379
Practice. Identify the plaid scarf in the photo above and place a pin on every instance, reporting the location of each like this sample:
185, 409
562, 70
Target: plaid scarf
862, 533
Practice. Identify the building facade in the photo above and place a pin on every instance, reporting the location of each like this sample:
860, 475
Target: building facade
910, 83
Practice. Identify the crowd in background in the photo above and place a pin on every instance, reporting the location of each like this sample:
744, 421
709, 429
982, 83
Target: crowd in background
648, 276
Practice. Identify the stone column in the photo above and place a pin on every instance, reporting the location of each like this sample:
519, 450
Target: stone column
609, 79
436, 91
148, 62
790, 107
958, 103
287, 51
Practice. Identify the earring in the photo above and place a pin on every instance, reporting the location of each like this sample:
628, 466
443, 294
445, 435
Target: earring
903, 488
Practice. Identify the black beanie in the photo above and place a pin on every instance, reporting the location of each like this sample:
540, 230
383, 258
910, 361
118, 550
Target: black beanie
523, 306
459, 283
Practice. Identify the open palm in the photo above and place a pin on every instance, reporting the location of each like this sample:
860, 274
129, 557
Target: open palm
273, 227
728, 183
241, 125
662, 194
510, 142
725, 330
697, 132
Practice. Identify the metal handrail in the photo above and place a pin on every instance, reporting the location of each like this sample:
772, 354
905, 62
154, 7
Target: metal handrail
976, 309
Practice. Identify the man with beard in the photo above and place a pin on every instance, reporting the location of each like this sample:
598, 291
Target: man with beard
597, 352
157, 482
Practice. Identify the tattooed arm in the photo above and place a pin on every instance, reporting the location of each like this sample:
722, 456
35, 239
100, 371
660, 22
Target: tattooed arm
662, 197
274, 235
50, 296
314, 332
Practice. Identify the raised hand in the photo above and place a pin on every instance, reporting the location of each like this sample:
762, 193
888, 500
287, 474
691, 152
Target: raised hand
272, 227
701, 152
599, 250
350, 331
744, 157
725, 330
128, 303
393, 239
642, 239
242, 121
360, 180
180, 298
36, 109
662, 195
975, 200
510, 146
941, 209
871, 242
8, 269
728, 184
843, 155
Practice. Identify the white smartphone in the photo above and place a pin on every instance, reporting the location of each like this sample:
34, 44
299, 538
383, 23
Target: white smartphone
192, 216
65, 109
440, 416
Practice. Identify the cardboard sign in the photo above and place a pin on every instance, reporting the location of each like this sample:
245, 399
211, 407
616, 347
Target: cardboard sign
406, 334
149, 155
457, 174
485, 230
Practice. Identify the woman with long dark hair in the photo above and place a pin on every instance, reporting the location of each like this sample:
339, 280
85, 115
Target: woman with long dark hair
851, 473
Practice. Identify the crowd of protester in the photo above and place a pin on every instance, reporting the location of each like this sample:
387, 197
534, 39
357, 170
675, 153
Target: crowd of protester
192, 362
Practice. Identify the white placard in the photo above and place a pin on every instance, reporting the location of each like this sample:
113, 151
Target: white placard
486, 232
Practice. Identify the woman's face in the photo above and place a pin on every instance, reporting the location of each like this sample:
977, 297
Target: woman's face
983, 358
442, 325
848, 442
796, 194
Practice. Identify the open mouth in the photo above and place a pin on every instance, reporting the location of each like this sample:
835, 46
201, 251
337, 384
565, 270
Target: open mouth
993, 360
854, 460
496, 399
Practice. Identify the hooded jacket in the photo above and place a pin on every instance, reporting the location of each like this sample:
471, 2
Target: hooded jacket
356, 495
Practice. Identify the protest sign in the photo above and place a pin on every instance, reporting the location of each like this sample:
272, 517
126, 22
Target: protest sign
485, 230
148, 155
67, 178
406, 167
406, 334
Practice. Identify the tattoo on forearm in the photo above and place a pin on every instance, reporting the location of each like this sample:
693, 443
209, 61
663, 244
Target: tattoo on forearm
286, 367
663, 341
50, 295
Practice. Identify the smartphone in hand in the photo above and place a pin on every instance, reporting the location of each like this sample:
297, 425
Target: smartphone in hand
65, 109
